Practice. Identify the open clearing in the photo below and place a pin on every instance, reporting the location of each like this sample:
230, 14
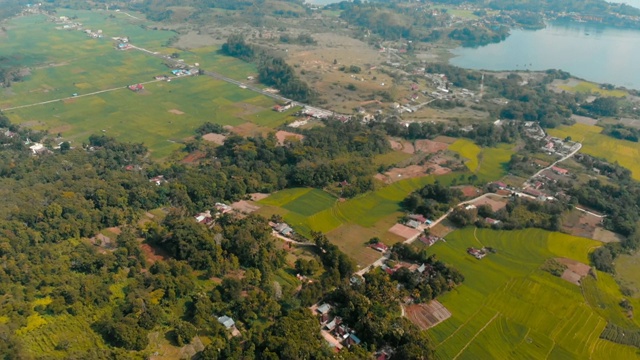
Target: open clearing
161, 116
284, 135
626, 153
509, 309
426, 316
496, 202
404, 231
574, 85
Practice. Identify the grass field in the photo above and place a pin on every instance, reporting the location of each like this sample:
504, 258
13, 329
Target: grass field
487, 163
593, 88
626, 153
66, 62
509, 309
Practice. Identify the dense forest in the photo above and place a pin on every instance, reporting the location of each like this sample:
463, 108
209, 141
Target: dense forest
55, 267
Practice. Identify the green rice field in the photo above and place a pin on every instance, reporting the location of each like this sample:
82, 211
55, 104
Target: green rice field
509, 309
487, 163
162, 116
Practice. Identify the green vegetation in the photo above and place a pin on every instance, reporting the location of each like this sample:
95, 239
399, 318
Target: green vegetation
162, 116
486, 163
592, 88
507, 307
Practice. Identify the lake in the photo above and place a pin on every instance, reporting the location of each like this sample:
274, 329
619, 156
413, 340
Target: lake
592, 52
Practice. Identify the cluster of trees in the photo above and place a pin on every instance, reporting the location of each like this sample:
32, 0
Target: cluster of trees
437, 279
432, 201
620, 335
622, 132
301, 39
602, 106
478, 36
272, 70
613, 171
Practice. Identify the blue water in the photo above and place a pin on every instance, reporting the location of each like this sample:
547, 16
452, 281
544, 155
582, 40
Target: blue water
595, 53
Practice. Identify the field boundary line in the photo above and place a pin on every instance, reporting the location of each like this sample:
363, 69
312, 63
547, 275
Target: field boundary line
476, 335
593, 345
475, 236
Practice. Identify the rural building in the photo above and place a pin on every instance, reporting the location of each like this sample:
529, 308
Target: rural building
353, 340
429, 240
282, 108
283, 229
136, 87
204, 217
158, 180
331, 325
38, 148
413, 224
223, 208
491, 221
161, 77
559, 171
380, 247
477, 253
418, 217
227, 322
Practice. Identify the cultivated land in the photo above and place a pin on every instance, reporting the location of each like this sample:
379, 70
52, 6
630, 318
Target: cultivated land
65, 62
486, 163
509, 308
626, 153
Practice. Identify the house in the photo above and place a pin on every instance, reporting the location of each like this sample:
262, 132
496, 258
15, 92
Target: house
331, 325
532, 192
227, 322
559, 171
356, 280
283, 229
223, 208
204, 218
418, 217
477, 253
469, 207
38, 148
324, 309
380, 247
161, 77
353, 340
343, 183
158, 180
136, 87
343, 331
491, 221
429, 240
421, 268
413, 224
500, 185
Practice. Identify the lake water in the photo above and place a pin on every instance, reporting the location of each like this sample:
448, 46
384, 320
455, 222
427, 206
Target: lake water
595, 53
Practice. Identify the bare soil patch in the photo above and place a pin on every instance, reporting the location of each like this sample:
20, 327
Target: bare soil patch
495, 202
579, 223
402, 145
193, 157
250, 129
404, 231
430, 146
245, 206
214, 138
606, 236
445, 139
575, 270
284, 135
584, 120
469, 191
152, 253
426, 316
176, 111
258, 196
442, 229
411, 171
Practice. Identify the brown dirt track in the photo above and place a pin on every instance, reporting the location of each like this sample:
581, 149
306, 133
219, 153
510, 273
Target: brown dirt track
426, 316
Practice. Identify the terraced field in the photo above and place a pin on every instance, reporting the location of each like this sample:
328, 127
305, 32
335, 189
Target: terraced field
626, 153
487, 163
509, 309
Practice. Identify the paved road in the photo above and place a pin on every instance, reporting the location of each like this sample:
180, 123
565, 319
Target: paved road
80, 95
554, 164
